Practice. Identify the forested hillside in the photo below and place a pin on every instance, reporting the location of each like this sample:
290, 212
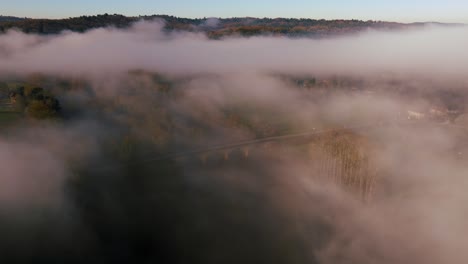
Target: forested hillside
215, 28
9, 19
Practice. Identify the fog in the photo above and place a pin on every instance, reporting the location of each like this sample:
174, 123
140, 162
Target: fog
431, 50
96, 187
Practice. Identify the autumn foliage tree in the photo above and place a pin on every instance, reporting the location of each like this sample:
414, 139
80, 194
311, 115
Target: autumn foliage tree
36, 103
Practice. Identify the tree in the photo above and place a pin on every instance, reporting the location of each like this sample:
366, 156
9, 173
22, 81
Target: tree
43, 109
35, 102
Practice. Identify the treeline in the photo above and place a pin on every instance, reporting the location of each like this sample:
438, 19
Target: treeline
10, 19
77, 24
213, 27
297, 27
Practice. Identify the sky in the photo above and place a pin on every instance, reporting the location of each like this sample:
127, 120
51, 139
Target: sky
389, 10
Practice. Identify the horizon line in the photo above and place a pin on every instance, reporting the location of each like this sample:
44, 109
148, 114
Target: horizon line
231, 17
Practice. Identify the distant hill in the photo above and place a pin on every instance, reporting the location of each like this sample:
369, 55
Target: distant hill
214, 28
10, 19
77, 24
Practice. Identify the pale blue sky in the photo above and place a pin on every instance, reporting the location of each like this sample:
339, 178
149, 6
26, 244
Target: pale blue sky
393, 10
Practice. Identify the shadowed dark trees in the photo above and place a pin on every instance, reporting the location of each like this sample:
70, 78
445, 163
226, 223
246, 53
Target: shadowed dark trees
224, 27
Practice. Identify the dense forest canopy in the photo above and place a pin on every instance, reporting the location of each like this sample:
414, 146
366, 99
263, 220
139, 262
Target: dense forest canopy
213, 27
10, 19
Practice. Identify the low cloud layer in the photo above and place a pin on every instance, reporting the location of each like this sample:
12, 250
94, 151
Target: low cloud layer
135, 95
431, 50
